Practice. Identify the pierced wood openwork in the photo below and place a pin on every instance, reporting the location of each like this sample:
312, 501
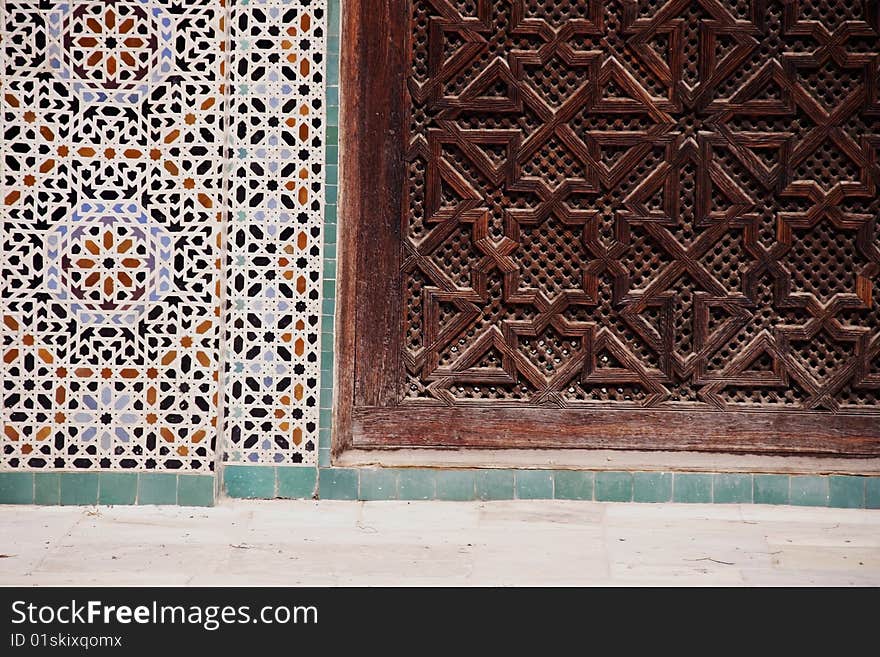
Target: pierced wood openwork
645, 223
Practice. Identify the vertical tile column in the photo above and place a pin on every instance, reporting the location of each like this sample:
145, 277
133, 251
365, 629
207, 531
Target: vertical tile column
328, 308
112, 195
274, 238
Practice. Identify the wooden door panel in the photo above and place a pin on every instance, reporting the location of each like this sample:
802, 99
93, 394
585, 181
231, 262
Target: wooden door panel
611, 224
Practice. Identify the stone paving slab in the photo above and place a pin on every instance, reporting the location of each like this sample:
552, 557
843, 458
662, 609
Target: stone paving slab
527, 543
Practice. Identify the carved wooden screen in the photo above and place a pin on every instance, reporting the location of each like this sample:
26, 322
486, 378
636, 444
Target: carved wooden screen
635, 223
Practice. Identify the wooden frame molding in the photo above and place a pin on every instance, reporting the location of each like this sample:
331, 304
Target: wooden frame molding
368, 412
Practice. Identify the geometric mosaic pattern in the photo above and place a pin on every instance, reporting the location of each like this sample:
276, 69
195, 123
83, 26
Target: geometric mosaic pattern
274, 235
112, 207
109, 263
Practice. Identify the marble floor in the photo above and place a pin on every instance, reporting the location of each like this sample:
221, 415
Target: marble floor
440, 543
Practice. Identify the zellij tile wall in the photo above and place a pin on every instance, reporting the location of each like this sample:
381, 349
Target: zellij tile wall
162, 212
169, 177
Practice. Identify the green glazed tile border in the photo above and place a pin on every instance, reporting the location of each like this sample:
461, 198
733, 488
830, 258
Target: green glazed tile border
456, 485
195, 491
338, 484
369, 484
732, 488
422, 485
770, 489
872, 492
846, 492
328, 282
652, 487
614, 487
249, 482
106, 487
378, 484
573, 485
295, 482
534, 484
692, 487
16, 487
47, 488
117, 488
79, 488
495, 484
808, 490
157, 488
487, 484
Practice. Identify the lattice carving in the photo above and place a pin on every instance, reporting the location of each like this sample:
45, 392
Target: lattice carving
643, 204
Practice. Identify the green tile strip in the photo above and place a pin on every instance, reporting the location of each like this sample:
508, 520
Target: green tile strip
692, 487
118, 488
614, 487
331, 190
47, 488
495, 484
266, 482
770, 489
249, 482
872, 492
17, 488
573, 485
534, 484
422, 485
808, 490
488, 484
109, 487
295, 483
378, 484
652, 487
846, 492
456, 485
157, 488
369, 484
732, 488
338, 484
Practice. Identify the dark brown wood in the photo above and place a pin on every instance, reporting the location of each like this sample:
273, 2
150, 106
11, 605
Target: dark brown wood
535, 428
616, 225
372, 114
